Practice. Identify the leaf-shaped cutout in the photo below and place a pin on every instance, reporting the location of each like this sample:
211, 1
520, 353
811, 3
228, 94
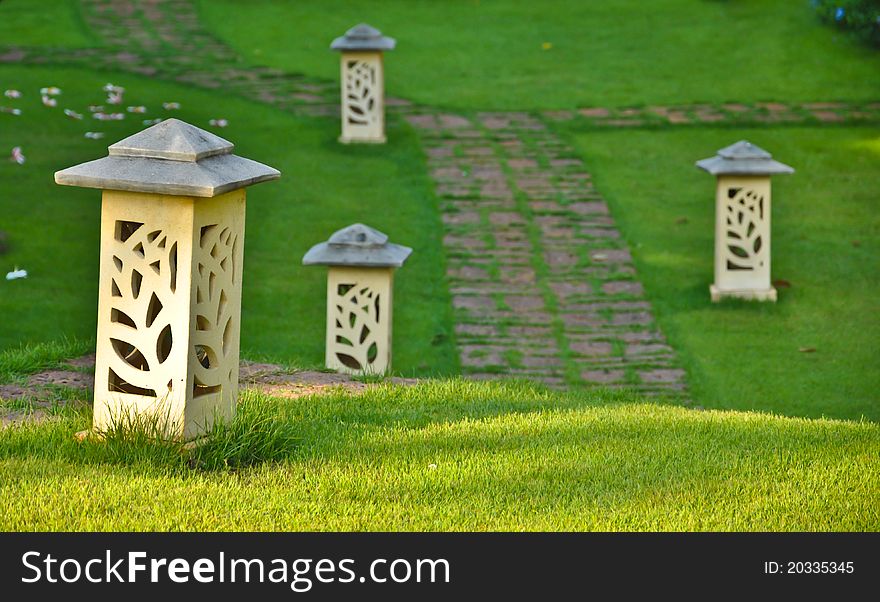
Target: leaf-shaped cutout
164, 342
227, 336
153, 309
349, 361
129, 354
758, 244
136, 280
120, 317
738, 251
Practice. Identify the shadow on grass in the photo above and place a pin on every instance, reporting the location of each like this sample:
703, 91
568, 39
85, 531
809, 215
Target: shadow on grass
267, 429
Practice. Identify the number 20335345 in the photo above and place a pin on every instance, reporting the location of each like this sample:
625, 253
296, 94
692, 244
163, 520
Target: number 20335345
809, 567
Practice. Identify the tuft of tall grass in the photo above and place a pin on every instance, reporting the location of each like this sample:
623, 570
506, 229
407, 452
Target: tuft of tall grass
258, 433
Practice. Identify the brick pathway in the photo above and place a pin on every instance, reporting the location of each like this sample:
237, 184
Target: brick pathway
723, 114
542, 284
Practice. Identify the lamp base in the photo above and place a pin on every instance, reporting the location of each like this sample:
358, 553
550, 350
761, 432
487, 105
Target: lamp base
767, 294
347, 140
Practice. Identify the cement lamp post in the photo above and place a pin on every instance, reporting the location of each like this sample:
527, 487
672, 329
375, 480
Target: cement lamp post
169, 302
362, 83
359, 291
742, 221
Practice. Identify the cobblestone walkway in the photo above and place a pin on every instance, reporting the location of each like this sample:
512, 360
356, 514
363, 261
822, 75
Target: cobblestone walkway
758, 113
542, 284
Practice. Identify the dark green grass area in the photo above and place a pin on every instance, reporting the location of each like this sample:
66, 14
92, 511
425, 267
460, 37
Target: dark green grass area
454, 455
53, 230
490, 54
825, 243
43, 23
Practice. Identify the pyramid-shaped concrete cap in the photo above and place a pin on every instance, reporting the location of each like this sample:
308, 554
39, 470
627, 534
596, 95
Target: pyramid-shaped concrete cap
363, 37
171, 157
172, 139
358, 245
743, 158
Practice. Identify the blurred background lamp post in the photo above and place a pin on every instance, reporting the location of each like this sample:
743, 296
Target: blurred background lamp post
363, 83
742, 221
359, 297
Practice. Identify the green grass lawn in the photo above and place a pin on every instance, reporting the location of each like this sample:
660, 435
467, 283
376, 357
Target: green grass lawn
53, 230
490, 54
456, 456
825, 243
43, 23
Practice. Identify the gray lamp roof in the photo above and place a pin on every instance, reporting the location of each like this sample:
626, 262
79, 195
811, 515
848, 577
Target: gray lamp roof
171, 157
363, 37
743, 158
357, 245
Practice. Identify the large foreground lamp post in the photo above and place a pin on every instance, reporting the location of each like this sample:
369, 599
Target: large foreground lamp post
169, 302
742, 221
359, 290
363, 83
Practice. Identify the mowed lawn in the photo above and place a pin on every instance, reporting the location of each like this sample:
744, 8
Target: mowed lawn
560, 54
53, 230
458, 456
815, 352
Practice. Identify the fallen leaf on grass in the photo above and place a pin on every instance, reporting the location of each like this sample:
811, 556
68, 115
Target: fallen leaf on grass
72, 114
682, 220
781, 283
807, 349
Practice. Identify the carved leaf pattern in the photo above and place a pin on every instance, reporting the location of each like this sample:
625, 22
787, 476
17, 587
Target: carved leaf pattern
143, 284
216, 277
360, 93
356, 314
744, 221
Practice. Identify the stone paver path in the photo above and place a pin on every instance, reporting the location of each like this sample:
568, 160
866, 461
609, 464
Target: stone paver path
543, 285
758, 113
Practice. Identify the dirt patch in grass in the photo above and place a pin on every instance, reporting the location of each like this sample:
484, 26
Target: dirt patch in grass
41, 389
